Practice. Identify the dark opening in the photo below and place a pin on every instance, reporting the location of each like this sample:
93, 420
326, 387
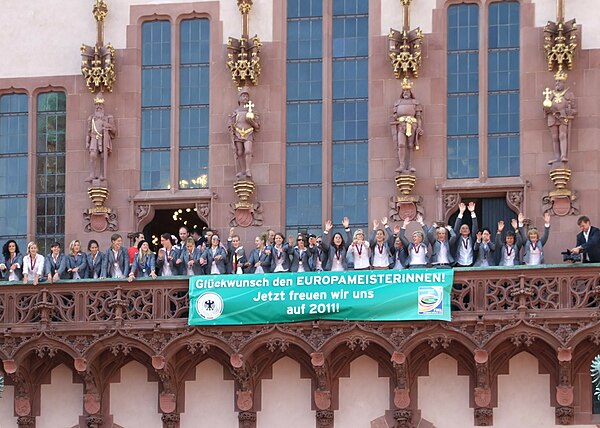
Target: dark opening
170, 220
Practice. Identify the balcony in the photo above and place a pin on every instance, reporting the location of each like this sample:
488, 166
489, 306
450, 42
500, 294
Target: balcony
550, 311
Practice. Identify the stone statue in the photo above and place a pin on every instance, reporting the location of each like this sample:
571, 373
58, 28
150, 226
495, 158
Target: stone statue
100, 132
406, 127
559, 107
242, 124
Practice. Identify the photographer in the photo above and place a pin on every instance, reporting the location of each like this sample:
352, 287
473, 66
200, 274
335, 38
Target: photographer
588, 241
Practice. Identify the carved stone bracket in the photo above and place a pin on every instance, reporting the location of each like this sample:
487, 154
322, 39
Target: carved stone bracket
405, 206
322, 395
94, 421
324, 418
403, 418
565, 415
26, 421
401, 390
514, 199
170, 420
243, 54
247, 419
244, 381
483, 416
246, 211
99, 218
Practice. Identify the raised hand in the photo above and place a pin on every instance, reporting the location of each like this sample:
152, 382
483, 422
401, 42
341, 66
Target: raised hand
462, 208
231, 232
471, 206
396, 229
500, 226
346, 223
479, 234
419, 219
328, 225
384, 221
406, 222
547, 217
521, 218
514, 224
375, 224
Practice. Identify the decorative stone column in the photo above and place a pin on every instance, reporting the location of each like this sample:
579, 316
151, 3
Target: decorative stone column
247, 419
170, 420
482, 395
565, 411
94, 421
322, 395
26, 421
325, 418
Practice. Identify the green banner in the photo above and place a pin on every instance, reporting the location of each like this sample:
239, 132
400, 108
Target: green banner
381, 295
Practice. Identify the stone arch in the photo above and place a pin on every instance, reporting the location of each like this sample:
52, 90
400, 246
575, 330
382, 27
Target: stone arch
276, 337
439, 334
362, 337
195, 342
119, 343
43, 345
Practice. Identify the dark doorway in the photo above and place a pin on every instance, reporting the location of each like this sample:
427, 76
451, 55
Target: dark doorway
170, 220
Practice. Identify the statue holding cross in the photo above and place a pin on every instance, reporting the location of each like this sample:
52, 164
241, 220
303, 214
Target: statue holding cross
560, 110
242, 124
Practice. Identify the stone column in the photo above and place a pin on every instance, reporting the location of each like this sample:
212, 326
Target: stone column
247, 419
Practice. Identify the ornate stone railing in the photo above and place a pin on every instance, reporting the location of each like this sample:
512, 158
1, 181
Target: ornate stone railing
97, 326
492, 293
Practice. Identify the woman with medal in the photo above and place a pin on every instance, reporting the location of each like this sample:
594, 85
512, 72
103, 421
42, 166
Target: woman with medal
260, 257
359, 248
95, 260
76, 261
280, 254
11, 269
143, 263
381, 255
167, 256
510, 250
33, 265
116, 259
534, 245
236, 255
484, 248
417, 250
214, 257
336, 247
190, 258
300, 256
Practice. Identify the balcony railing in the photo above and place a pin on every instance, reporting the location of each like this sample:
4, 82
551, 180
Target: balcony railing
545, 292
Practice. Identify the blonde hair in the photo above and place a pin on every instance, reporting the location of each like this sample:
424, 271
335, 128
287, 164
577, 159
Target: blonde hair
30, 244
534, 231
72, 245
358, 231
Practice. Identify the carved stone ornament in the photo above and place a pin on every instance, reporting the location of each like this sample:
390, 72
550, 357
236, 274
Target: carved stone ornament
483, 416
170, 420
565, 415
92, 403
322, 399
95, 421
405, 206
244, 400
325, 418
26, 421
403, 418
402, 398
247, 419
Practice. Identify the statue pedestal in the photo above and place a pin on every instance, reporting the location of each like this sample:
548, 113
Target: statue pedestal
245, 211
99, 218
404, 204
561, 201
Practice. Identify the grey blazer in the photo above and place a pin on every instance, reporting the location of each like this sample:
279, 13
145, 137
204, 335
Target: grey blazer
108, 268
333, 252
437, 245
539, 244
221, 263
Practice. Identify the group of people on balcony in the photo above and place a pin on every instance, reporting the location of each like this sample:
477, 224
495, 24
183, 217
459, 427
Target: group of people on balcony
386, 248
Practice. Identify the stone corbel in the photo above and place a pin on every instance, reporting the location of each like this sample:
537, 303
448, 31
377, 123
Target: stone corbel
564, 390
247, 419
170, 420
401, 390
23, 400
322, 395
167, 398
482, 394
244, 383
92, 399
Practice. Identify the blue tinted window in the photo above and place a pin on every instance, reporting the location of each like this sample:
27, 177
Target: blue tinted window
305, 80
463, 91
350, 200
13, 167
350, 36
350, 79
193, 168
304, 122
156, 97
303, 205
304, 8
155, 169
463, 157
305, 39
350, 162
304, 163
156, 43
350, 7
194, 95
503, 90
350, 120
13, 124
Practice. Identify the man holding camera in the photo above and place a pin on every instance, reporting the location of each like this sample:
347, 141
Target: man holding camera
588, 241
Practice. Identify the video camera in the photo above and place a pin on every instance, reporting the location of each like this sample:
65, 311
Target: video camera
571, 257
